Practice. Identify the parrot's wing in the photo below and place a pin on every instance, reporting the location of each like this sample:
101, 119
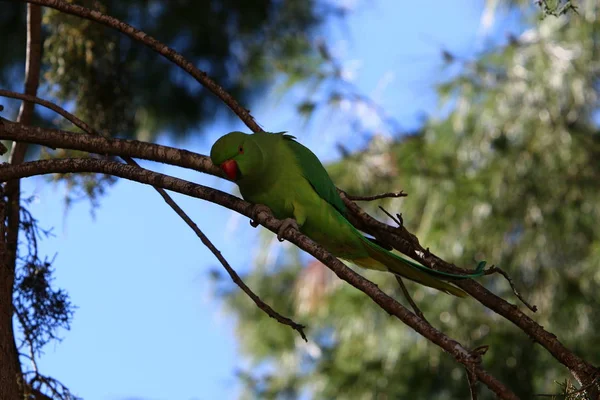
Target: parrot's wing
314, 172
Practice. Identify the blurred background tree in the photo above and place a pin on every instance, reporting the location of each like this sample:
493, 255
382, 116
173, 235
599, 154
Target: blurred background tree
509, 173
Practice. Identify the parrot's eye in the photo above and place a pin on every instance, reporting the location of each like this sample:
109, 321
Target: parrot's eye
241, 149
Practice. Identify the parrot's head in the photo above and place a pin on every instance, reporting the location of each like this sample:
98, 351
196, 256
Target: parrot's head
238, 155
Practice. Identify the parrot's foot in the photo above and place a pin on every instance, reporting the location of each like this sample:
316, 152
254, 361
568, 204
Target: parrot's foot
286, 224
258, 208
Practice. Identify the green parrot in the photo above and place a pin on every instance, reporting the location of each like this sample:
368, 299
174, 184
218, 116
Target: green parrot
274, 170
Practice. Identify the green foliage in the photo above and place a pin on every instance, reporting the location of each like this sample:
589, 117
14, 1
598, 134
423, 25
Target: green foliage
82, 63
123, 88
510, 176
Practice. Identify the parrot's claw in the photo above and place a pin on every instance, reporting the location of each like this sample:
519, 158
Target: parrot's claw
258, 208
286, 224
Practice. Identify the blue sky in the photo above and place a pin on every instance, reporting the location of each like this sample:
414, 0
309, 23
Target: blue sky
147, 324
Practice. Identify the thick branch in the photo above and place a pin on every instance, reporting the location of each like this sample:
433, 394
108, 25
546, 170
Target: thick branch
390, 305
164, 50
101, 145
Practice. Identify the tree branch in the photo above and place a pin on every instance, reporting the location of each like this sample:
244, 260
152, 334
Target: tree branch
451, 346
102, 145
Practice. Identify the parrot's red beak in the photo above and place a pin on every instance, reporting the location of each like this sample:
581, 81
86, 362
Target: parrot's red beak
231, 169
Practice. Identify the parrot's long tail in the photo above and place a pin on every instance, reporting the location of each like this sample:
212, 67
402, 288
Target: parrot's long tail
381, 259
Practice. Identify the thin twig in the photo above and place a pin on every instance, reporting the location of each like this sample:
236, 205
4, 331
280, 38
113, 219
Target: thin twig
169, 200
378, 196
234, 276
396, 220
409, 298
472, 378
494, 269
